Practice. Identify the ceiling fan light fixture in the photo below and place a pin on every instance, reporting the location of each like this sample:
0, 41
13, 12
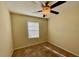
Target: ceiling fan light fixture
46, 10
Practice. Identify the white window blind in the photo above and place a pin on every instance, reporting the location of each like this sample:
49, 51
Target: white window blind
33, 30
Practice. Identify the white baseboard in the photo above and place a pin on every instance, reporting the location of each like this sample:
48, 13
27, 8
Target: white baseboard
63, 49
29, 45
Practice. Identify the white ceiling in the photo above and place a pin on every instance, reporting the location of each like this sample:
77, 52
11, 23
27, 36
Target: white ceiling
30, 7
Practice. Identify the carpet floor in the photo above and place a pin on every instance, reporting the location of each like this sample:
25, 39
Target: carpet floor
42, 50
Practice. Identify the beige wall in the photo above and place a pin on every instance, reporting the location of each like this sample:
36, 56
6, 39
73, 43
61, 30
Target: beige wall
64, 28
20, 33
6, 46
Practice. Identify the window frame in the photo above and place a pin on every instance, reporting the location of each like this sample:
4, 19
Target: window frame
30, 30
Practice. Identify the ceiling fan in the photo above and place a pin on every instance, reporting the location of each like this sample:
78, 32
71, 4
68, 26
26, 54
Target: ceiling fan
46, 8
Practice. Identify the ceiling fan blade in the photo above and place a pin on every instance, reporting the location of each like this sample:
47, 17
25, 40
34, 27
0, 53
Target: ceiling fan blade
55, 12
42, 5
57, 4
39, 11
47, 2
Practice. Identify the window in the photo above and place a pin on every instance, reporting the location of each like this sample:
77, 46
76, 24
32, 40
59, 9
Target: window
33, 30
